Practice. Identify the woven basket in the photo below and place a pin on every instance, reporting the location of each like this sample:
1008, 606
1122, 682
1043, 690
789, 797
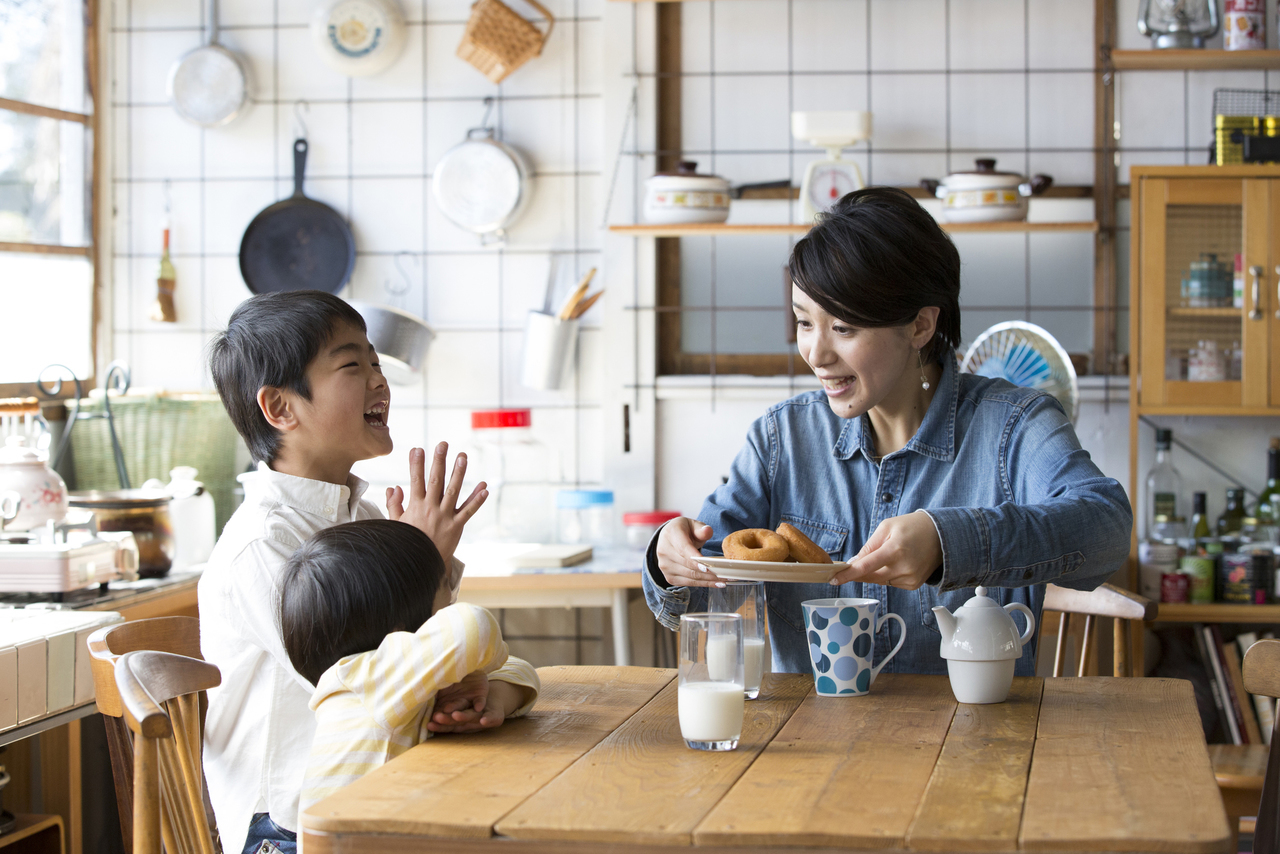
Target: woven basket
158, 432
498, 41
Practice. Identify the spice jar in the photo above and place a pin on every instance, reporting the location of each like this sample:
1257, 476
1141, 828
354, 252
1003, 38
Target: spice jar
519, 471
641, 527
585, 516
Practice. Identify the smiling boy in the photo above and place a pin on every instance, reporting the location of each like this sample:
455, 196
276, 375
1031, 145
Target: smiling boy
303, 387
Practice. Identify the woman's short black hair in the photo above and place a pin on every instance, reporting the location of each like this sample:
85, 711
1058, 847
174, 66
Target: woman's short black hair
348, 587
877, 258
269, 341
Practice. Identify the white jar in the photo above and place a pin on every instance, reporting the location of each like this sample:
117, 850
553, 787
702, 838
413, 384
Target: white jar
585, 516
195, 527
641, 527
519, 471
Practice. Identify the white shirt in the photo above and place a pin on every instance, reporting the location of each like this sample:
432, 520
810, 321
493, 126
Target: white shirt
259, 726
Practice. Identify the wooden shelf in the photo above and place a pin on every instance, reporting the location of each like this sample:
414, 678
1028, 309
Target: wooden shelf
698, 229
1218, 612
1195, 60
1216, 311
1174, 409
44, 833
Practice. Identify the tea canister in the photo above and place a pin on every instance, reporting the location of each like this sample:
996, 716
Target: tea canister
1244, 25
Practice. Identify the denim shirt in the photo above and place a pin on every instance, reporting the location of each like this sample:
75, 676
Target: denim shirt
1016, 502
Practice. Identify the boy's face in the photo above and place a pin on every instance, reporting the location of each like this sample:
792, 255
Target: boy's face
346, 418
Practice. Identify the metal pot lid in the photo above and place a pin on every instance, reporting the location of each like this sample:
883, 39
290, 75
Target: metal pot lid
686, 169
986, 166
119, 499
480, 184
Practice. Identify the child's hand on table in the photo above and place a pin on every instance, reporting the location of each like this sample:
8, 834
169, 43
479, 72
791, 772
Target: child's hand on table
474, 704
433, 507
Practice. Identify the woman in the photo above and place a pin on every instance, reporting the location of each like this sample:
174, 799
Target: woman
931, 481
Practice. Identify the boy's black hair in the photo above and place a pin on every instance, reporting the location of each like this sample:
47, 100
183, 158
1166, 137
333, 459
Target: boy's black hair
875, 259
269, 341
348, 587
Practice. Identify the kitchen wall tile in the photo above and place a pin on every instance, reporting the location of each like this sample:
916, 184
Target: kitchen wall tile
830, 92
550, 73
159, 14
245, 148
1060, 110
739, 169
523, 278
695, 37
123, 293
550, 220
1060, 35
1061, 269
581, 385
751, 113
1149, 157
829, 35
151, 56
989, 111
229, 207
695, 114
147, 223
387, 279
256, 50
447, 126
161, 145
908, 35
973, 323
443, 235
590, 51
1072, 329
905, 169
447, 75
328, 129
301, 73
386, 214
463, 290
1127, 35
462, 368
295, 13
403, 79
224, 290
1150, 108
746, 36
543, 131
387, 138
987, 34
597, 145
909, 111
169, 360
1067, 168
245, 13
992, 269
120, 216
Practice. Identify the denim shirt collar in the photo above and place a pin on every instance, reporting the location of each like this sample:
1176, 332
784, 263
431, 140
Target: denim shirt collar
937, 434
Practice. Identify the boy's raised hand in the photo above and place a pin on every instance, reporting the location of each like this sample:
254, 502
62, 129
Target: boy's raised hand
433, 507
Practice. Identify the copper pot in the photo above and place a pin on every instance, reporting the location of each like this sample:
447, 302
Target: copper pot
143, 512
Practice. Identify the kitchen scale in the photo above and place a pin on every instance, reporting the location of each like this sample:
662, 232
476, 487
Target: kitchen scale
826, 181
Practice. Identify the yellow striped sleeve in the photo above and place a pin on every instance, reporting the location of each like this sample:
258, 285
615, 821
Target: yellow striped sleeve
517, 671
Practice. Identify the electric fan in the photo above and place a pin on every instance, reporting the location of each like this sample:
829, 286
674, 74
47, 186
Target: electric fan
1028, 356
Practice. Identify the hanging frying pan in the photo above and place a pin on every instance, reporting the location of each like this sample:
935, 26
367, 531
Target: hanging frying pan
297, 243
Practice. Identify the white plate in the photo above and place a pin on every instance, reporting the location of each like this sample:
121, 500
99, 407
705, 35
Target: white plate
764, 570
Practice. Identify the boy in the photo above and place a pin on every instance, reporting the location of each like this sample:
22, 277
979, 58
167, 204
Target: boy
303, 387
365, 616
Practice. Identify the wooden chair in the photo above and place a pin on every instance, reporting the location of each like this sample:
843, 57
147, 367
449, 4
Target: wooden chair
178, 635
1124, 606
1262, 676
160, 693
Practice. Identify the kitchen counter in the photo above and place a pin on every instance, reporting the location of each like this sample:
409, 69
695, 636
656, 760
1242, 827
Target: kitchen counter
173, 595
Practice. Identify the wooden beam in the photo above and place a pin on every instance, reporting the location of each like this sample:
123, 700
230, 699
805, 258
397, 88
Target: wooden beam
47, 249
44, 112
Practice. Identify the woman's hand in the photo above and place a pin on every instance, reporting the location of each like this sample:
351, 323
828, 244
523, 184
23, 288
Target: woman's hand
679, 554
433, 507
902, 552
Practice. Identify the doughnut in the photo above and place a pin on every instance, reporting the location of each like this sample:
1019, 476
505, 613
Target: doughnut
755, 544
801, 548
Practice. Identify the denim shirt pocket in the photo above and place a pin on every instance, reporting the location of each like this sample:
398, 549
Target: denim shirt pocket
828, 537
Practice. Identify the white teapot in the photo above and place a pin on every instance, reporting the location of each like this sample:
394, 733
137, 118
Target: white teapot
981, 644
43, 492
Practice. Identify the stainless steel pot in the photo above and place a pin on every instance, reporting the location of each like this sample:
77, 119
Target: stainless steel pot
144, 513
985, 195
400, 338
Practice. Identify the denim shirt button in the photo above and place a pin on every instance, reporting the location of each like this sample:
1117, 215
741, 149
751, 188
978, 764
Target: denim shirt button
887, 497
1028, 574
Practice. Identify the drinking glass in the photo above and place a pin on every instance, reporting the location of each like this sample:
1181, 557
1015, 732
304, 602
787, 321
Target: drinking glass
711, 699
747, 600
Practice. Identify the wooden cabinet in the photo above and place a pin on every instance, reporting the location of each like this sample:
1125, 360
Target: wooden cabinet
1188, 217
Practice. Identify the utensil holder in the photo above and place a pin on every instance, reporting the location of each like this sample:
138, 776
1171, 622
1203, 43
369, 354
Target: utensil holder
497, 41
548, 350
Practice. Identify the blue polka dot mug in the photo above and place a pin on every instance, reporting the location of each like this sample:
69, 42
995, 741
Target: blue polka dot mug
842, 636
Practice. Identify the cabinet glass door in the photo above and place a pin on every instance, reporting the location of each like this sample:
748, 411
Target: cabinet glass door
1196, 245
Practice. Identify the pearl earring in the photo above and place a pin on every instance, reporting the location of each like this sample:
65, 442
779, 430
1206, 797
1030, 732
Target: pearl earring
924, 380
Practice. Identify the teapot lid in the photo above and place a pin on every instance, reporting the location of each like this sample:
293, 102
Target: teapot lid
984, 631
16, 452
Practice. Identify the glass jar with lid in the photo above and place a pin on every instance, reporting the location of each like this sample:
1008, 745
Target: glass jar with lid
585, 516
520, 472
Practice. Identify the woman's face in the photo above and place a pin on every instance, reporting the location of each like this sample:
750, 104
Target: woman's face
860, 367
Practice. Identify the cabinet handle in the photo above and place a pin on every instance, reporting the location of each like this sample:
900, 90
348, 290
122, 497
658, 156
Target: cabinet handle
1278, 291
1256, 312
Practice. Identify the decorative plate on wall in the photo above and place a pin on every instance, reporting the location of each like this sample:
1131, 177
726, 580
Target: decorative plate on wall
358, 37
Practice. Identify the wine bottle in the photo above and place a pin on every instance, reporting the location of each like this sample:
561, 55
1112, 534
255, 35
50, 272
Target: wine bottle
1232, 518
1199, 519
1164, 484
1268, 511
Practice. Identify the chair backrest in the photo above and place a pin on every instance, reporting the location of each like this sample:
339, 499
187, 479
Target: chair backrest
160, 694
1124, 606
178, 635
1261, 670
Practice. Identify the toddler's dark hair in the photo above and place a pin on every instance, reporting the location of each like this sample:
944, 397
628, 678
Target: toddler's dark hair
348, 587
269, 341
875, 259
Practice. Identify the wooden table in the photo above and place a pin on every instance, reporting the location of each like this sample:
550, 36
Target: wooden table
1065, 765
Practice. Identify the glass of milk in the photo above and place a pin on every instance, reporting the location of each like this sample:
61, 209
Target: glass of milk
711, 698
746, 599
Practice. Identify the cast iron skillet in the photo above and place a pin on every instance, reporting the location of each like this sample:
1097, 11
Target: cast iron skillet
297, 243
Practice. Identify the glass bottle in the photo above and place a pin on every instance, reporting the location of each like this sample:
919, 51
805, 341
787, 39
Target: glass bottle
163, 309
1232, 518
1268, 511
1200, 529
1164, 484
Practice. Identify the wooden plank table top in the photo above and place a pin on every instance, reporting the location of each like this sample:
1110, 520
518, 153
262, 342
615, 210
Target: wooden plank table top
1094, 764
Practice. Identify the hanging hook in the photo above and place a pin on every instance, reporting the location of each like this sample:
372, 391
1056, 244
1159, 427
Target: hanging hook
403, 286
300, 108
488, 109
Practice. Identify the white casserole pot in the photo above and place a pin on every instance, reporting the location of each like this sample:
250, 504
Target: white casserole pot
685, 196
985, 195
